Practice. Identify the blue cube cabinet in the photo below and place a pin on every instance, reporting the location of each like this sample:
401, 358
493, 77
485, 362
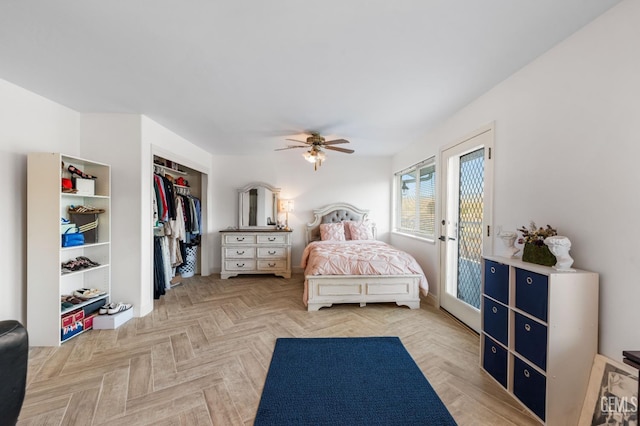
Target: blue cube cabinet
539, 335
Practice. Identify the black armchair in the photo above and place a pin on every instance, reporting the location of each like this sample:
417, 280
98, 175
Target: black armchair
14, 355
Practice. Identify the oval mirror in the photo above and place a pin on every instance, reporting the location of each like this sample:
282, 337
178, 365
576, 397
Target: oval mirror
258, 206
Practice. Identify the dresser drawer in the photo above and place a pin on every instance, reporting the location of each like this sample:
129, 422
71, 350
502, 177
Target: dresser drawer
239, 239
272, 239
240, 265
532, 293
494, 360
531, 340
495, 317
272, 252
266, 265
530, 387
239, 252
496, 281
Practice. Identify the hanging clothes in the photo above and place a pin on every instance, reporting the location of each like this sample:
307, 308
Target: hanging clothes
178, 217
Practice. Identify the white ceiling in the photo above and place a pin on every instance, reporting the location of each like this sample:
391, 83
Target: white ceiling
238, 76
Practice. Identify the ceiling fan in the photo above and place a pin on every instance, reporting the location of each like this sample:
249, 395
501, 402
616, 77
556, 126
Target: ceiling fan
316, 144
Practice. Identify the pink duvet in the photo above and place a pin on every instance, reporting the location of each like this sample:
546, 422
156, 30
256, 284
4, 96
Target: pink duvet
361, 257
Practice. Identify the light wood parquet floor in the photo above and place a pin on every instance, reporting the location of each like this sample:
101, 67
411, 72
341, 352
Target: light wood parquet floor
201, 358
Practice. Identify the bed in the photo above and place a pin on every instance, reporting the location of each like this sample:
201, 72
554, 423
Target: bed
355, 267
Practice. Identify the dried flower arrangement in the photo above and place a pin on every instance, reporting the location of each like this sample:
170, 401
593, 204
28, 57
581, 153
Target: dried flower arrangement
535, 235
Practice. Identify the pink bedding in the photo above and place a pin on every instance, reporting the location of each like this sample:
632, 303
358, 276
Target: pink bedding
361, 257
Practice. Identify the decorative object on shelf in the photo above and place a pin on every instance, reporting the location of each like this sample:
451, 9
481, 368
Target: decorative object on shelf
508, 240
72, 239
86, 218
535, 251
559, 246
286, 206
85, 210
74, 170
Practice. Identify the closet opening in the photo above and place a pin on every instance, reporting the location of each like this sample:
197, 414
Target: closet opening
179, 216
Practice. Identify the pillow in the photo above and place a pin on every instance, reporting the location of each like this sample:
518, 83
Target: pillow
360, 230
332, 232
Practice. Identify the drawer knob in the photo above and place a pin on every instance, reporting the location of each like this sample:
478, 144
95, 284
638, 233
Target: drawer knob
239, 238
494, 310
240, 265
272, 252
271, 265
493, 349
271, 238
493, 269
526, 373
529, 280
527, 327
239, 252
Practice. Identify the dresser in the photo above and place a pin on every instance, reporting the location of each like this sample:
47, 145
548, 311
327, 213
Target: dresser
255, 252
539, 335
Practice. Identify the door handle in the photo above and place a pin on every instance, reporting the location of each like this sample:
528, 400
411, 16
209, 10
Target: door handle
443, 238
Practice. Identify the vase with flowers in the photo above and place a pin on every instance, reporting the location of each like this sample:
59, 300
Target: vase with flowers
535, 251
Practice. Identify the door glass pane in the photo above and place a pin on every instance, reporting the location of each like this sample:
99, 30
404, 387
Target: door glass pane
471, 195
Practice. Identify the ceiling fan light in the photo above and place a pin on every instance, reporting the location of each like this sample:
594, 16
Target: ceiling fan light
310, 156
320, 155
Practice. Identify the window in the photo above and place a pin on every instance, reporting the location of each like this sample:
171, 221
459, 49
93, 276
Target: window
416, 200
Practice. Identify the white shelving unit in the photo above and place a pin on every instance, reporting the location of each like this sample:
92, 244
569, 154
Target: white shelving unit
46, 205
540, 335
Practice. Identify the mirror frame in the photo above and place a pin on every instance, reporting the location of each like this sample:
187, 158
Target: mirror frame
276, 198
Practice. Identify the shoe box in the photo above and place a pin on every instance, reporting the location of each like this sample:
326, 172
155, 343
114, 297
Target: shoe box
111, 322
71, 324
84, 186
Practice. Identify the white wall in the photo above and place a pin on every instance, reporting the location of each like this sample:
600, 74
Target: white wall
127, 142
566, 154
28, 122
114, 139
361, 181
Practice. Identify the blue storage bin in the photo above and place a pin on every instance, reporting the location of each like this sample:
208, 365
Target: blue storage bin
532, 293
495, 317
496, 281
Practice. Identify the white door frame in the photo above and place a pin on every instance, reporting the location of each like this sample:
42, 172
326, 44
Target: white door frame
466, 313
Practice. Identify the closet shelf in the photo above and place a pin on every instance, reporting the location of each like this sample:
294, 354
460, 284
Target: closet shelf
169, 169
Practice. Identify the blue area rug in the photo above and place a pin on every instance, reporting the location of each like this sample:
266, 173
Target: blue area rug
350, 381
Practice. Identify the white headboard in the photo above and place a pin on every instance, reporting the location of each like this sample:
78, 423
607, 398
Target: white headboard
336, 212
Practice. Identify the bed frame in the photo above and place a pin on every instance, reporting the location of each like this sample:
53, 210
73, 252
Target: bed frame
325, 290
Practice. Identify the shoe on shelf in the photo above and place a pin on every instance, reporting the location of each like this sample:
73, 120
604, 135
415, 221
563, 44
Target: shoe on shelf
118, 307
104, 309
88, 293
86, 262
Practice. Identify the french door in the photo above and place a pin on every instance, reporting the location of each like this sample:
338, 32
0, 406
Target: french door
467, 171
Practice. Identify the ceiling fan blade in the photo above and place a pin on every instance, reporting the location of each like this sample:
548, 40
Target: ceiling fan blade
291, 147
336, 141
296, 140
335, 148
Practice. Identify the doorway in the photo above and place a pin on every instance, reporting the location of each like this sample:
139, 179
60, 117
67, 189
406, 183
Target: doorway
467, 187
